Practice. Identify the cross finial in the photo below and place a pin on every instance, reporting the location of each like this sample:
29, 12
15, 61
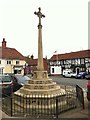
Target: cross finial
39, 14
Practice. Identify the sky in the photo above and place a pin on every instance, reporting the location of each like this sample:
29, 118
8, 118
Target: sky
65, 26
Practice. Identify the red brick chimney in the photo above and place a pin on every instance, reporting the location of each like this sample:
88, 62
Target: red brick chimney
4, 43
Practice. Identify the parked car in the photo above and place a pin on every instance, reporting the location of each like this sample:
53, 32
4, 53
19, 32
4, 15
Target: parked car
81, 75
16, 85
5, 84
22, 80
68, 73
87, 77
19, 81
73, 75
10, 83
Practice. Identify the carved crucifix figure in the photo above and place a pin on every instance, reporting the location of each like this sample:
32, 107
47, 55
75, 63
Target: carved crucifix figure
39, 14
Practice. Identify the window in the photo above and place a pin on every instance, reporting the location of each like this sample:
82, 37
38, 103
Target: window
87, 59
82, 61
68, 61
62, 62
51, 63
9, 62
78, 61
73, 61
17, 71
52, 70
1, 71
17, 62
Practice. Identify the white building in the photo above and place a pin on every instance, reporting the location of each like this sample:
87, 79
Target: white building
77, 61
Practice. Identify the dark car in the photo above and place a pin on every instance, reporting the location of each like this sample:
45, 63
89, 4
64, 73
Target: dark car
10, 83
22, 80
19, 81
87, 77
16, 85
5, 84
81, 75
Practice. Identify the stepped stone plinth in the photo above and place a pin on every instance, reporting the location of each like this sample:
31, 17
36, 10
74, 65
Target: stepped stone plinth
41, 91
40, 84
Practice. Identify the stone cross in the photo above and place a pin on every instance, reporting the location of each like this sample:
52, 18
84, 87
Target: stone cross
40, 15
40, 66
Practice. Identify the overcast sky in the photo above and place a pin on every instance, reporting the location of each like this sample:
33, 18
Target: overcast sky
65, 26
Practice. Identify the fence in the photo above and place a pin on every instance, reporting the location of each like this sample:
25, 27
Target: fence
80, 95
40, 106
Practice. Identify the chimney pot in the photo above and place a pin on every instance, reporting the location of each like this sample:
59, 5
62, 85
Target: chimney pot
3, 39
32, 57
3, 43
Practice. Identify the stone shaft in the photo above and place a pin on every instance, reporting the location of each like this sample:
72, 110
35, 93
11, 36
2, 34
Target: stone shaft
40, 66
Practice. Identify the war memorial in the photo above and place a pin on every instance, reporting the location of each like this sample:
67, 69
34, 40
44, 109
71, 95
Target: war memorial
41, 97
41, 86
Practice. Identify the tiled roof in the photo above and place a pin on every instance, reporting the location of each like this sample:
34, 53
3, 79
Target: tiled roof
34, 62
10, 53
71, 55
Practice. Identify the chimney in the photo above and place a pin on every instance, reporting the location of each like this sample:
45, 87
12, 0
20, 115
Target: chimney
3, 43
32, 57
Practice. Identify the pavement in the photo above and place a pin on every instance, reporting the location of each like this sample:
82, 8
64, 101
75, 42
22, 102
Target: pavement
78, 112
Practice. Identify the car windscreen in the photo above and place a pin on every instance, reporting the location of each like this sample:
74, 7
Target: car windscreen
5, 79
81, 73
